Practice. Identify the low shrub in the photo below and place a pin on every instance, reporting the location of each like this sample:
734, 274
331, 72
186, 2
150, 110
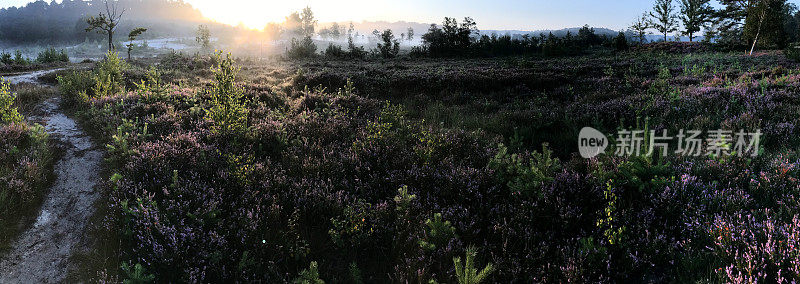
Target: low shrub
76, 87
106, 79
50, 55
304, 48
674, 47
227, 110
793, 52
108, 76
335, 51
8, 113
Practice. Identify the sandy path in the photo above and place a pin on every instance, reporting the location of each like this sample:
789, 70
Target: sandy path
41, 253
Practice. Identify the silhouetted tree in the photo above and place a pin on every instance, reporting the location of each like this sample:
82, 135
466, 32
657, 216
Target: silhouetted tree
663, 18
272, 31
694, 15
336, 31
587, 36
106, 23
410, 34
131, 37
294, 23
203, 37
350, 31
307, 22
640, 27
451, 39
621, 42
791, 22
390, 46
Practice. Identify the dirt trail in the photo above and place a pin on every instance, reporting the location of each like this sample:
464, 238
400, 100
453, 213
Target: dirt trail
41, 253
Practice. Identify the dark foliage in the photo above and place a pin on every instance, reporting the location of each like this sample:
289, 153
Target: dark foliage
63, 22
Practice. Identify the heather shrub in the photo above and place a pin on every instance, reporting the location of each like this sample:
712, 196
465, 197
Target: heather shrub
756, 247
30, 96
377, 191
25, 163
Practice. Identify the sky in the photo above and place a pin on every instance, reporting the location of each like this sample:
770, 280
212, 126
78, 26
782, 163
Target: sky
489, 14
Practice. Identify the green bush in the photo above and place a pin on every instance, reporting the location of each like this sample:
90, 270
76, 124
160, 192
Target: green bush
135, 274
438, 233
75, 87
6, 59
19, 59
390, 47
108, 77
50, 55
335, 51
524, 175
466, 273
309, 276
793, 52
226, 110
355, 52
621, 42
8, 113
304, 48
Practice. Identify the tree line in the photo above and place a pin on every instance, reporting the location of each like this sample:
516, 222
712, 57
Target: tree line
737, 23
66, 22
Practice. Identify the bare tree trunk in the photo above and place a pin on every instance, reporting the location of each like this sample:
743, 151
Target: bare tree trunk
110, 40
758, 32
754, 43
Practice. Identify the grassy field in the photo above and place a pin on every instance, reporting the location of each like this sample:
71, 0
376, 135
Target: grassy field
385, 171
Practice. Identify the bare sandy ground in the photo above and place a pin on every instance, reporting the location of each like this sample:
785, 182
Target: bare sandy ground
42, 252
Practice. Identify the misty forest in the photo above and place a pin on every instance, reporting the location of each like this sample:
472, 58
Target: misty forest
144, 142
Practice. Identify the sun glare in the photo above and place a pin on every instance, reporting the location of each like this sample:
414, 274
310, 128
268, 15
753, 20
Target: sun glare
251, 14
255, 14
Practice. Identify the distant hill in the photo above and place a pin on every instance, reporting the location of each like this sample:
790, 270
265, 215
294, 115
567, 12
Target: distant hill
574, 31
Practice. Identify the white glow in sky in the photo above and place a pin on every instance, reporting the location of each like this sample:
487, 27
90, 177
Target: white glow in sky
257, 13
